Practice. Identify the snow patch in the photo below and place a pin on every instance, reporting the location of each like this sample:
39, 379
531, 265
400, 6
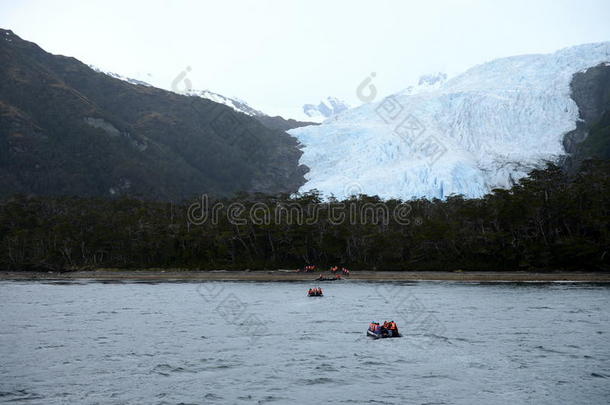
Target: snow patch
234, 103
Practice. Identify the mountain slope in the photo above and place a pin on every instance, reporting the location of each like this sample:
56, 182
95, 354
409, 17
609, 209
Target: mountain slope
591, 138
271, 122
483, 129
67, 129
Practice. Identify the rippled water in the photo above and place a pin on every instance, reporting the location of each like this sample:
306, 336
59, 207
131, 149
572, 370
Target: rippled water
230, 342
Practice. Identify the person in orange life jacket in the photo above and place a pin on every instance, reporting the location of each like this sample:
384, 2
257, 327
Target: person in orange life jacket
393, 328
383, 328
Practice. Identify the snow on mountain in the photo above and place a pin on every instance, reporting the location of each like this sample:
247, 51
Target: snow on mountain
325, 109
120, 77
483, 129
234, 103
426, 83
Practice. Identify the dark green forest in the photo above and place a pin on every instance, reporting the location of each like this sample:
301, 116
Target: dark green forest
552, 220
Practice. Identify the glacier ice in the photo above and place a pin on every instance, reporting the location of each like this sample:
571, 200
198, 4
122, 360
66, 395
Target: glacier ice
325, 109
483, 129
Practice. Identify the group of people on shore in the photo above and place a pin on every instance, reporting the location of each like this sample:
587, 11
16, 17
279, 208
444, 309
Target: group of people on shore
342, 270
388, 328
315, 292
335, 270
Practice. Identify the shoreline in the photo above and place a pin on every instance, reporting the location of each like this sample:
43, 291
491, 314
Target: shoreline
291, 275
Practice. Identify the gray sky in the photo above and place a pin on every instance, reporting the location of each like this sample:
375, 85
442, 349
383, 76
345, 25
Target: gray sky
280, 54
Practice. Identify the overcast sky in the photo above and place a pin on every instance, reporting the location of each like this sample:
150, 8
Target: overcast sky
279, 54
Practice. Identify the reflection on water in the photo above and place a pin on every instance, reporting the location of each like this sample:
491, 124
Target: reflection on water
232, 342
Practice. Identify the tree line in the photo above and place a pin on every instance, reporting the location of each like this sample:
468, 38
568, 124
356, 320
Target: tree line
550, 220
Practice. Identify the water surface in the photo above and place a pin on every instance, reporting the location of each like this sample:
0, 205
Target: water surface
238, 342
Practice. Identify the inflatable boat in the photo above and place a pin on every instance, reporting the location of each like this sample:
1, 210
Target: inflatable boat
389, 334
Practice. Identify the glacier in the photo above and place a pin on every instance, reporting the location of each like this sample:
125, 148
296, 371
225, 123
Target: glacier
483, 129
325, 109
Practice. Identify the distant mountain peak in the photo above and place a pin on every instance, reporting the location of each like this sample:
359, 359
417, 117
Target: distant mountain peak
426, 83
432, 79
326, 108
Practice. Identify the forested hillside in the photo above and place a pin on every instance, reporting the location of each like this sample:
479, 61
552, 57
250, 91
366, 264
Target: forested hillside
550, 221
66, 129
